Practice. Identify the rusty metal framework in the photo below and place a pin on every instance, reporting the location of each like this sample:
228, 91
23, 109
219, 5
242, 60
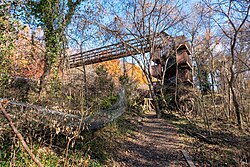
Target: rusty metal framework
170, 53
174, 59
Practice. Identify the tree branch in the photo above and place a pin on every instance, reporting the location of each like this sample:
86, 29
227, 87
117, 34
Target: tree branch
72, 7
20, 137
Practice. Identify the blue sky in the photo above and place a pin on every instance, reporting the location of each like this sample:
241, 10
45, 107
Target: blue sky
110, 17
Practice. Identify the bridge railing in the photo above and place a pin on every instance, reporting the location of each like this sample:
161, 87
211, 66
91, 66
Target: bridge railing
110, 52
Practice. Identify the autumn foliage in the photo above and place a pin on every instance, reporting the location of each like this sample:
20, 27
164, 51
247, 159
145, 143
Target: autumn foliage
28, 60
28, 55
116, 68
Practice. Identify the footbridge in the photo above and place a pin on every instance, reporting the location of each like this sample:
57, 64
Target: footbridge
159, 46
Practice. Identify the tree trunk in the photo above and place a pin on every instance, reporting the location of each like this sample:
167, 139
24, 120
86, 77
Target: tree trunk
236, 106
155, 101
44, 78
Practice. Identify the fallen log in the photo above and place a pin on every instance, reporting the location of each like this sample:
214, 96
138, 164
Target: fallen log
64, 122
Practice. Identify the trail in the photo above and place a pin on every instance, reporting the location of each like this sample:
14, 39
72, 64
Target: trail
155, 144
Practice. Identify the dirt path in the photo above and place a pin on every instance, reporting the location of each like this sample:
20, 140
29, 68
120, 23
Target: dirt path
155, 143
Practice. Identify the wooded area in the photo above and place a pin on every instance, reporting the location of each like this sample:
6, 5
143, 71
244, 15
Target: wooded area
65, 101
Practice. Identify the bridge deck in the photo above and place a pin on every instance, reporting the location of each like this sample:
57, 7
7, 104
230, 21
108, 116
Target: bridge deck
110, 52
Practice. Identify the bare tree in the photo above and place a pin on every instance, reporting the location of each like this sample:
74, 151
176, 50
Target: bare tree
143, 20
231, 17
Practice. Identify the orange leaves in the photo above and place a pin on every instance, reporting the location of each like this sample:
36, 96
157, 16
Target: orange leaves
116, 69
28, 55
4, 102
113, 68
135, 73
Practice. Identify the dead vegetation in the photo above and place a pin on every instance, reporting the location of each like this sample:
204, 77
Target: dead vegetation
219, 144
41, 99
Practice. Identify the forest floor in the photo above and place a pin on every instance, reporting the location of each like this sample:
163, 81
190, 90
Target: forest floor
154, 143
139, 140
158, 142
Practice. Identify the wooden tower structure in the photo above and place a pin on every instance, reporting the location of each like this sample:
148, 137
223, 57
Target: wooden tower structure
171, 57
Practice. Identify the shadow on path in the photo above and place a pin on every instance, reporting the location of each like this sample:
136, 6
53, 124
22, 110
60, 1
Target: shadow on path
155, 143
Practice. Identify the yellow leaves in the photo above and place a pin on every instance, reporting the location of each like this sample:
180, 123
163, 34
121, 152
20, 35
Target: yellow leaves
4, 102
28, 55
26, 29
115, 70
24, 62
86, 162
135, 73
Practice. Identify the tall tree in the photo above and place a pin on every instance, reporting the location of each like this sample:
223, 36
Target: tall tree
7, 36
231, 18
53, 16
143, 18
8, 30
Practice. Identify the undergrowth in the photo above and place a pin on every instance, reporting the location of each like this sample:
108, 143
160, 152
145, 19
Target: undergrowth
90, 149
221, 145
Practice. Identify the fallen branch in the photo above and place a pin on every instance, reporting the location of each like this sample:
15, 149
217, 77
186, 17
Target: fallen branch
20, 137
201, 137
188, 158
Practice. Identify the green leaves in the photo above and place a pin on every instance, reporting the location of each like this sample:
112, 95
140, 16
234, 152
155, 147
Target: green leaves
8, 27
53, 16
